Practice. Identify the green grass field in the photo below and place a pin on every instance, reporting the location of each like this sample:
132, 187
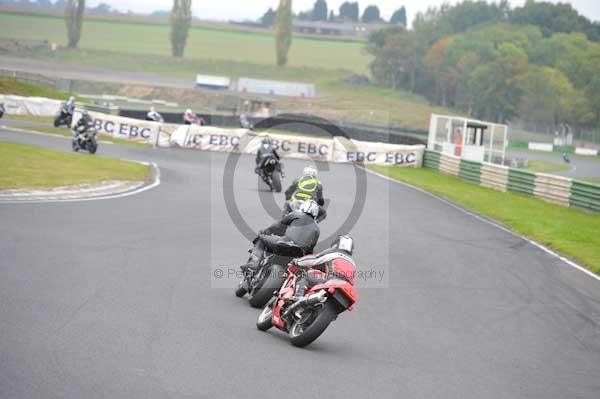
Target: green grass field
139, 38
23, 166
570, 231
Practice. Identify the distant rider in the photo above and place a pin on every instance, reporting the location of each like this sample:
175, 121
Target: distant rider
84, 123
306, 187
2, 110
295, 234
154, 116
190, 118
244, 122
265, 150
336, 262
70, 105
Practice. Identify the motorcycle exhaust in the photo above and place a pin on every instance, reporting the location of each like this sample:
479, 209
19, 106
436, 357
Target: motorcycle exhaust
316, 297
312, 299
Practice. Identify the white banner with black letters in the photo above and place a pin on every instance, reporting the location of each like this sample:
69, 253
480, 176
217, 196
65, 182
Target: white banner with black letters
366, 152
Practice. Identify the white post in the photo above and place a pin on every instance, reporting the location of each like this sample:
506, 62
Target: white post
157, 137
432, 132
504, 144
491, 145
464, 138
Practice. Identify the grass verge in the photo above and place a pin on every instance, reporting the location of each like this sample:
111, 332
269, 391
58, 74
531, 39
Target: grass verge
569, 231
23, 166
18, 88
547, 167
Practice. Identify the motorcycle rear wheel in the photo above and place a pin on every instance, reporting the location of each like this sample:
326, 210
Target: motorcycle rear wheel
302, 335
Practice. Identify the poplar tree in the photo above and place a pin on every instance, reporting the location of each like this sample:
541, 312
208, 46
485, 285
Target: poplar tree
283, 31
74, 21
181, 18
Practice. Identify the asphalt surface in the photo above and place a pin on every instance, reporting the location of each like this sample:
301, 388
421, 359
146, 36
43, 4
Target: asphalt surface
582, 167
118, 299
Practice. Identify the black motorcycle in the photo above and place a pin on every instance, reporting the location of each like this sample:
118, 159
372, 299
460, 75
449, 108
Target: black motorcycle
270, 172
63, 117
2, 110
84, 138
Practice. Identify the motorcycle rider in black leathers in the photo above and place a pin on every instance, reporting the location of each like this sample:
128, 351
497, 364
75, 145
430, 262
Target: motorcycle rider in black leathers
84, 123
70, 105
262, 154
342, 248
306, 187
296, 234
154, 116
2, 110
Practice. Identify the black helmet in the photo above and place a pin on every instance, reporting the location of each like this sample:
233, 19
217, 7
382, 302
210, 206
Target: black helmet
266, 140
344, 243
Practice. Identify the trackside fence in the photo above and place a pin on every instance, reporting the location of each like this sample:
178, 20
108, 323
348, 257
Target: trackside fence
550, 188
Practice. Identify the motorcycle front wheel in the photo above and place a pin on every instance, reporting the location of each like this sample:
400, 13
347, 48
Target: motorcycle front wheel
303, 332
272, 281
92, 146
276, 180
240, 290
265, 318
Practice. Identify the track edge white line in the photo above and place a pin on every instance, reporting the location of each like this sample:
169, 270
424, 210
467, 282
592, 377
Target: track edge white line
491, 222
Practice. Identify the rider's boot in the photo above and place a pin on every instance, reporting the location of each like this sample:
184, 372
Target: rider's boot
299, 294
252, 264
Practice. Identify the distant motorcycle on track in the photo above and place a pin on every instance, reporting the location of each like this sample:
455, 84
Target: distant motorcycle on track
84, 135
269, 170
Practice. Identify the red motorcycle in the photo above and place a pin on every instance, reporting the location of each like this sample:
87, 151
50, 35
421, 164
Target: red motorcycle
307, 319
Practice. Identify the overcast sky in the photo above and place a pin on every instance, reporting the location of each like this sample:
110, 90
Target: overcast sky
253, 9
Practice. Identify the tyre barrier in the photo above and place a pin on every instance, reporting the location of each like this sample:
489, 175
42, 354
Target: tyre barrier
556, 189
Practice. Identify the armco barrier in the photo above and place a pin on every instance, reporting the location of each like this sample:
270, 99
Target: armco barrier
306, 125
585, 196
586, 151
550, 188
541, 146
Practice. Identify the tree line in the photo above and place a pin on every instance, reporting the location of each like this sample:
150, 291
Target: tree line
348, 11
539, 63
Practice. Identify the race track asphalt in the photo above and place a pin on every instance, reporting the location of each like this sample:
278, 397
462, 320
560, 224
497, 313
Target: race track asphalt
118, 299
